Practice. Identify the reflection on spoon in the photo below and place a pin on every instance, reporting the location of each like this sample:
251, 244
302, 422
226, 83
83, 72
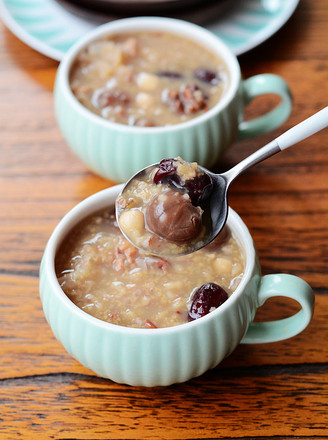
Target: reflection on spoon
177, 207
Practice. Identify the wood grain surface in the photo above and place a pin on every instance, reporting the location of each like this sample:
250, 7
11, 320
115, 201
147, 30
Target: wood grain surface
265, 391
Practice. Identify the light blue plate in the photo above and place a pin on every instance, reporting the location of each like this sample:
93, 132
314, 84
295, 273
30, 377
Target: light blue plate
51, 26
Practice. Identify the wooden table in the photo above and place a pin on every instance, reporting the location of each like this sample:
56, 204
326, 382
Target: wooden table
272, 391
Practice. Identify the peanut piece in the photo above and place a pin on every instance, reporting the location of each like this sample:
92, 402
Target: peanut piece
144, 100
147, 81
132, 222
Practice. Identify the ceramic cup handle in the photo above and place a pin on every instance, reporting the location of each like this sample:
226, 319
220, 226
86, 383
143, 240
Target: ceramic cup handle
288, 286
263, 84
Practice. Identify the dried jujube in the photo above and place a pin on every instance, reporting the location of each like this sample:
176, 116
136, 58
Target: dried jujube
169, 74
167, 172
206, 298
199, 188
207, 76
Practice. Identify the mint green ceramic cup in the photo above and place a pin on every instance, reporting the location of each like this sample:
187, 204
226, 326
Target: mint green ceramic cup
117, 151
152, 357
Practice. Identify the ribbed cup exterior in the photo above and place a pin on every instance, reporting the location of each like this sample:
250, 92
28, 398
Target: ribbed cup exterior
140, 357
118, 153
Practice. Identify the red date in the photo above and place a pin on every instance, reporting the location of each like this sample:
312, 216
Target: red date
208, 296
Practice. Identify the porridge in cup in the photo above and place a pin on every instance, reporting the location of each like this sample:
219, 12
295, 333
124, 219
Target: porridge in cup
107, 277
148, 78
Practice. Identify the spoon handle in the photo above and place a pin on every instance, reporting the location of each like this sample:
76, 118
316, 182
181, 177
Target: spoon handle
301, 131
304, 129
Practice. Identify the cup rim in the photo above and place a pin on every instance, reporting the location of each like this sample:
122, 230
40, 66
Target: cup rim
172, 25
105, 198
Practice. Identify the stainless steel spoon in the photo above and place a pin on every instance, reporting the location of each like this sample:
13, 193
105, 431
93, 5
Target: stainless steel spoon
216, 211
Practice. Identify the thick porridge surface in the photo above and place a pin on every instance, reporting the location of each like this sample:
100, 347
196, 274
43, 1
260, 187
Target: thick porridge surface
148, 78
107, 277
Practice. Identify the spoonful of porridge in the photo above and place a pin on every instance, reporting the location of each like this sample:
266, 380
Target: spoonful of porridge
177, 207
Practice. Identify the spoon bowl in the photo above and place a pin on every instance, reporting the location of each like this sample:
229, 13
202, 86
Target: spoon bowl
215, 206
